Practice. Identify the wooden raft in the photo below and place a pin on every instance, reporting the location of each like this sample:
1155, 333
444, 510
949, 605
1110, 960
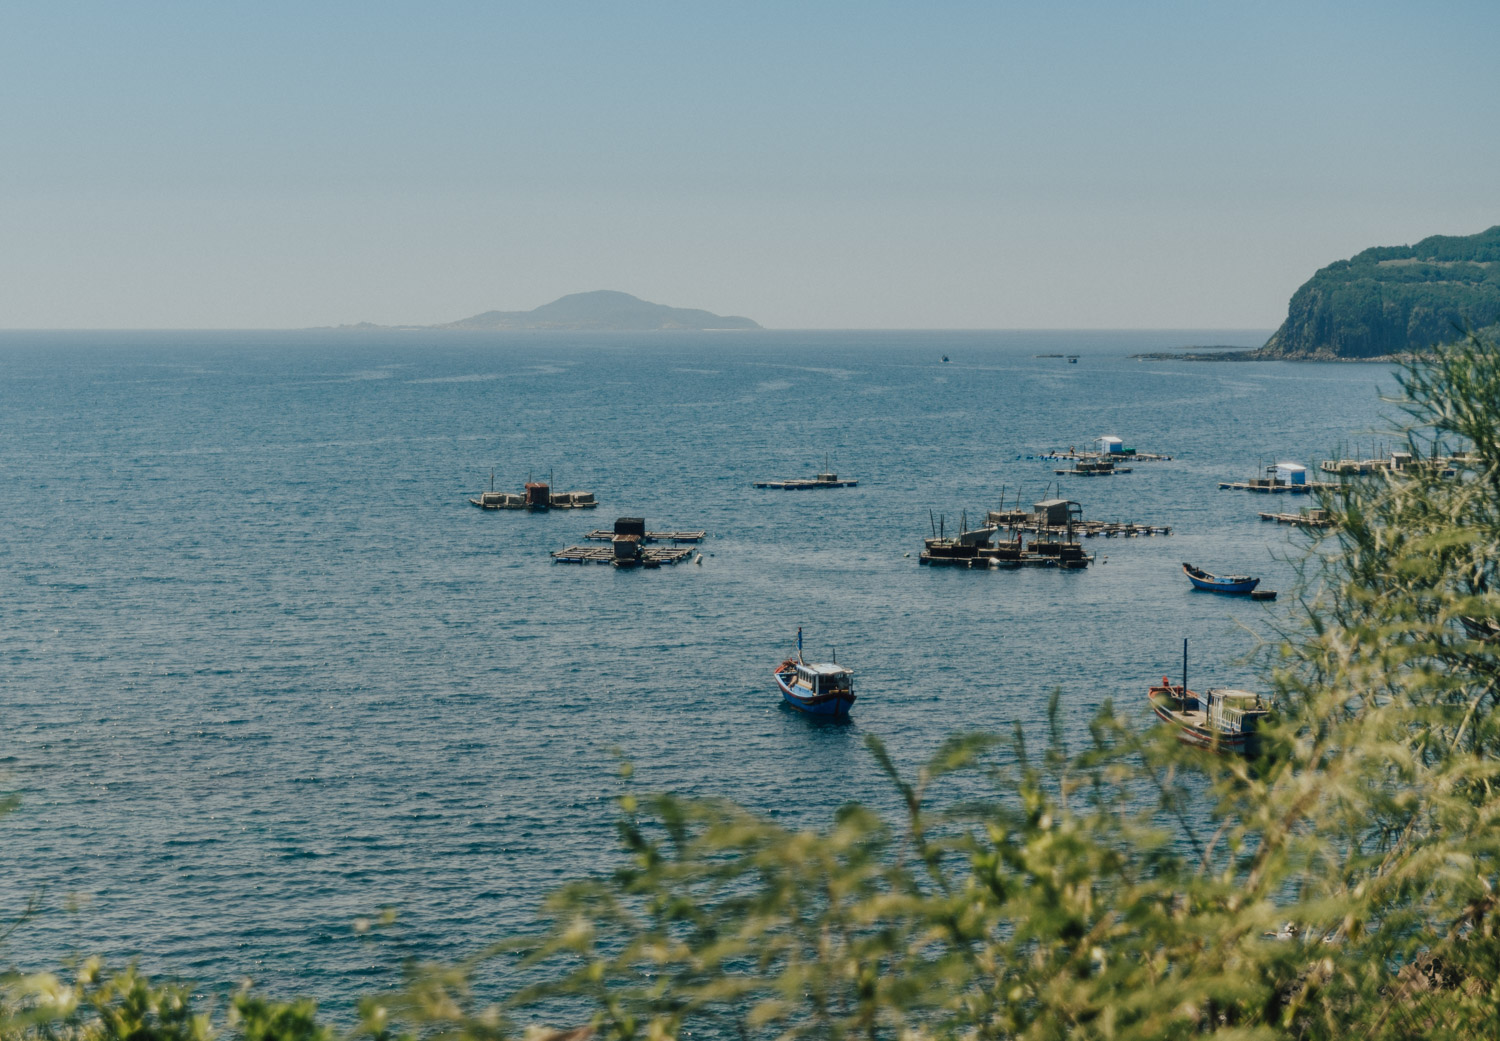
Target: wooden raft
801, 484
606, 555
605, 535
1026, 520
1304, 519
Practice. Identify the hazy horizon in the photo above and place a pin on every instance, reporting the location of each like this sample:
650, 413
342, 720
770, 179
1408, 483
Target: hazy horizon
1159, 166
1261, 334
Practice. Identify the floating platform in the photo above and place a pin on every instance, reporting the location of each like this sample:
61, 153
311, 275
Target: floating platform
1037, 522
1262, 594
1396, 462
1024, 559
646, 558
627, 546
972, 548
1094, 468
1302, 519
557, 503
824, 480
1131, 456
605, 535
535, 496
1280, 479
1269, 487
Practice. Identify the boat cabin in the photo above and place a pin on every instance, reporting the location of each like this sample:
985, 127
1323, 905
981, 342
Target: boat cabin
819, 678
1234, 711
1055, 513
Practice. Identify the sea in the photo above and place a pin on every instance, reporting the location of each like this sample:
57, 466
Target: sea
265, 672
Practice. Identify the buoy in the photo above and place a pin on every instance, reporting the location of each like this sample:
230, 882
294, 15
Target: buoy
698, 560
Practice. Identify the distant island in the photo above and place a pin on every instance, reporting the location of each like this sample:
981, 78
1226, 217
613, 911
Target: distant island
600, 311
1386, 302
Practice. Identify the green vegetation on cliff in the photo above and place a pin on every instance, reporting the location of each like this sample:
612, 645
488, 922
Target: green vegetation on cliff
1394, 300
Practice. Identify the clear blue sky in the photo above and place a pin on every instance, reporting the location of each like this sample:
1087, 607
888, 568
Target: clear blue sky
986, 165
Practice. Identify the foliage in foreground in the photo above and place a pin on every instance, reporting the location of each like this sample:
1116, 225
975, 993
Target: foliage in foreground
1119, 888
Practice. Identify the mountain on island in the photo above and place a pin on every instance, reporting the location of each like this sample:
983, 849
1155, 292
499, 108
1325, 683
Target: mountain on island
601, 311
1393, 300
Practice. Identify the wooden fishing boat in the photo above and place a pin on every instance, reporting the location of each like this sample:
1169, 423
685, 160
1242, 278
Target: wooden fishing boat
1220, 719
817, 688
1235, 584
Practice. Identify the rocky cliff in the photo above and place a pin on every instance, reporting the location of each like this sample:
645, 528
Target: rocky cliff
1394, 300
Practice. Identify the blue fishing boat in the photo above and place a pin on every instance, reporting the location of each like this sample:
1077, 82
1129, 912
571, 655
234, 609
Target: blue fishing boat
817, 688
1238, 584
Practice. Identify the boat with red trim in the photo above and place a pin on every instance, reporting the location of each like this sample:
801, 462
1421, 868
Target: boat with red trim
817, 688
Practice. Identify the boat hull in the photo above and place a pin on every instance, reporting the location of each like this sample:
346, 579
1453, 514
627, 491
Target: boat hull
833, 706
1213, 584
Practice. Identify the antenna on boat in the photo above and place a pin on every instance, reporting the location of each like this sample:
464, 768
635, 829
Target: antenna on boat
492, 480
799, 643
1184, 665
942, 521
932, 522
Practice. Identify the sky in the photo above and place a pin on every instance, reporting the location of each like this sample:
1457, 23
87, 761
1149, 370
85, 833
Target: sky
810, 165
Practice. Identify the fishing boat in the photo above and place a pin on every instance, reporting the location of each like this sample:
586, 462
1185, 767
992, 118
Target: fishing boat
817, 688
1220, 719
1236, 584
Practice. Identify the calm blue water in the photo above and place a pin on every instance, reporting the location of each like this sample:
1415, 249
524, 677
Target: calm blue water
265, 670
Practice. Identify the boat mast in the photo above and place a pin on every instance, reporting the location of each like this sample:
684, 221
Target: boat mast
1184, 665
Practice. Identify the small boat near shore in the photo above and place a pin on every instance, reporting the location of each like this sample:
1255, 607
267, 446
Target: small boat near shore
816, 688
1235, 585
1220, 719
